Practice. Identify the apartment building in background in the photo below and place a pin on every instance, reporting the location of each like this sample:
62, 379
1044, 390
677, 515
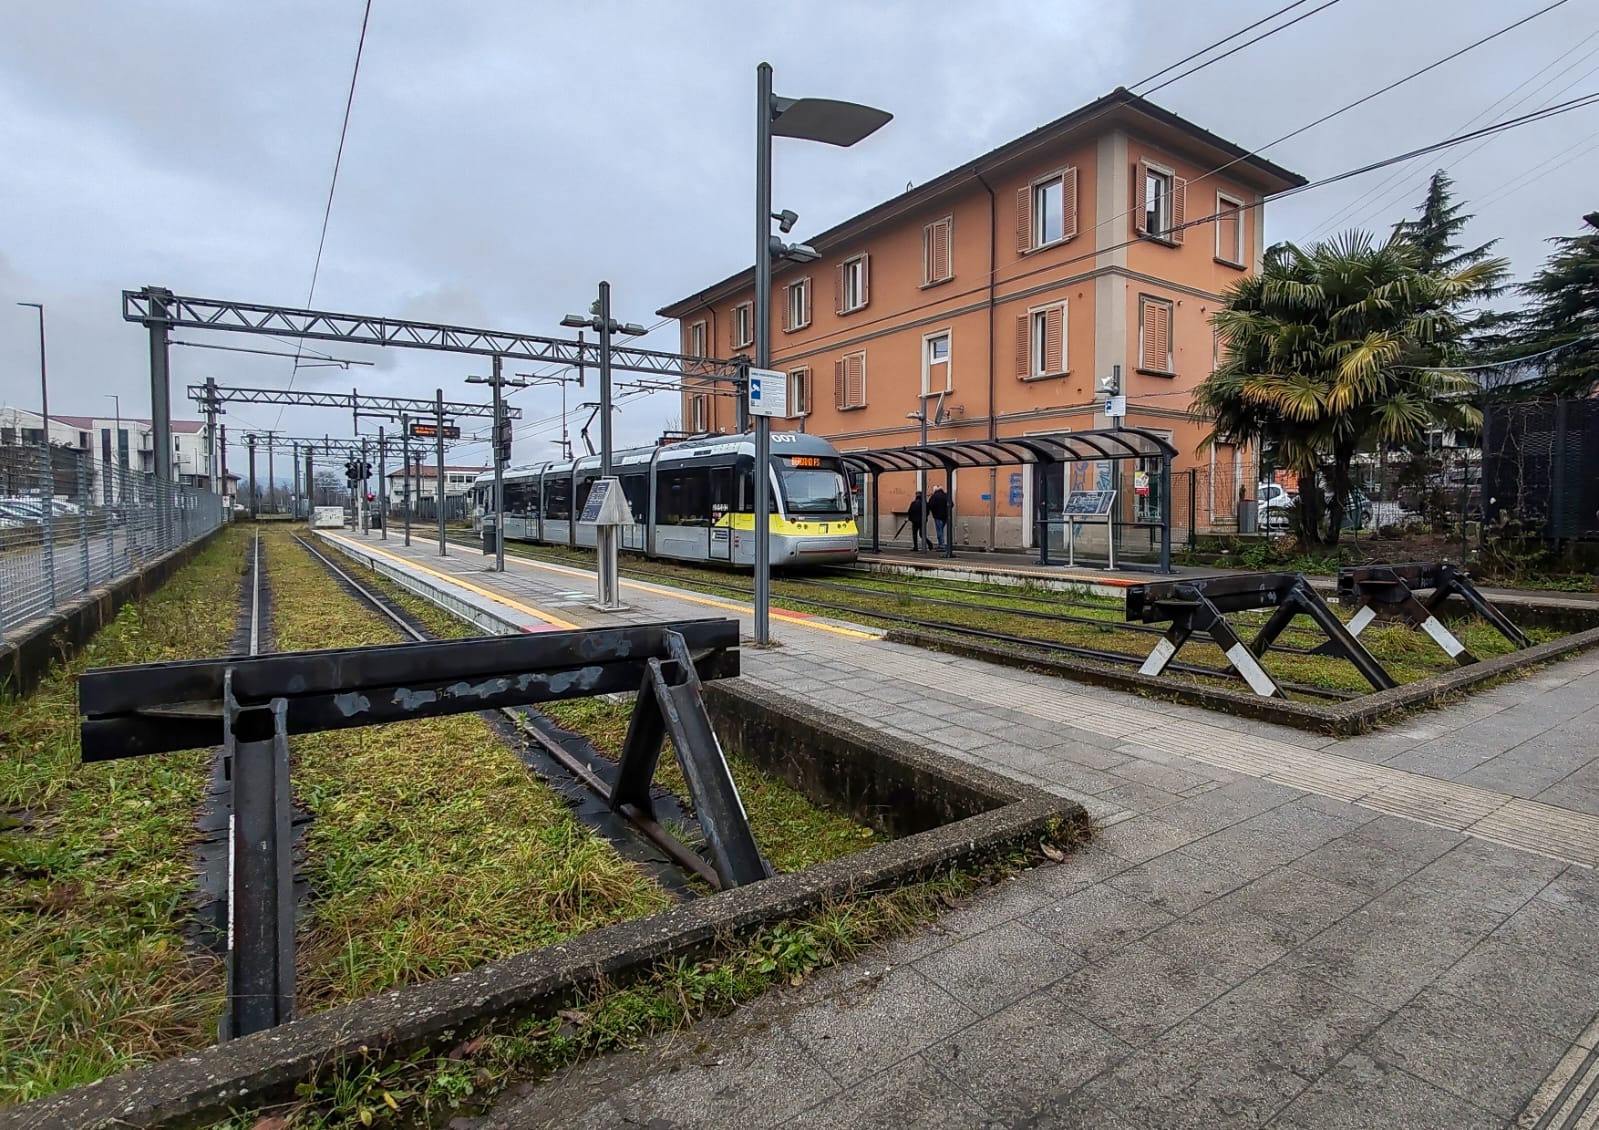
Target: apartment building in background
995, 296
128, 442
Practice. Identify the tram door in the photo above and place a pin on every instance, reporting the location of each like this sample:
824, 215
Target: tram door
721, 508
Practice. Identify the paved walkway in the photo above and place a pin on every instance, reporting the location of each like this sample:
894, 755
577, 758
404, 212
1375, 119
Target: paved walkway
1272, 928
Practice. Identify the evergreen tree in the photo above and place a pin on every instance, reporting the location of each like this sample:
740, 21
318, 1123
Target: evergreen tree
1436, 236
1561, 321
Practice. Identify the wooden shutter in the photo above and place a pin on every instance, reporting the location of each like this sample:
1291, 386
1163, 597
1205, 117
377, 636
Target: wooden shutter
1163, 336
838, 289
935, 251
1024, 219
1024, 353
855, 380
1154, 339
1055, 339
839, 385
1068, 203
788, 307
1179, 209
1140, 204
866, 279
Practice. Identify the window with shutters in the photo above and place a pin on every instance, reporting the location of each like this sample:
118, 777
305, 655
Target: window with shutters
937, 265
743, 328
695, 346
1041, 342
849, 381
697, 416
1159, 209
1046, 211
797, 306
1229, 230
853, 283
799, 392
936, 376
1154, 336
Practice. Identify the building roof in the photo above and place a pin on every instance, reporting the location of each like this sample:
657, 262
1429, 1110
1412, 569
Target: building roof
84, 423
1120, 106
428, 471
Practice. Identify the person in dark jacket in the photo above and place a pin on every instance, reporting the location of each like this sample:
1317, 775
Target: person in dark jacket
916, 514
938, 511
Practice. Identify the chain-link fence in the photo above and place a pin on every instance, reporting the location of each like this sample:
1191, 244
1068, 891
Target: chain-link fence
69, 524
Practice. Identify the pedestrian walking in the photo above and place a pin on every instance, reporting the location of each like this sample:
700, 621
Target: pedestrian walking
916, 514
938, 511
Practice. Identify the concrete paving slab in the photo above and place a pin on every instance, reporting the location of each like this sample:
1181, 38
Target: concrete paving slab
1139, 991
1097, 922
1001, 965
1530, 986
912, 1093
1177, 882
1378, 856
1483, 1057
1016, 1062
1362, 1093
1230, 944
1295, 901
1301, 1022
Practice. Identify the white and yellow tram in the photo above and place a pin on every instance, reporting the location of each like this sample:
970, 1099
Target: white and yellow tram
692, 501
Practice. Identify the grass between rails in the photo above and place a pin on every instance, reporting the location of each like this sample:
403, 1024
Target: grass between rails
1407, 655
433, 850
95, 884
793, 831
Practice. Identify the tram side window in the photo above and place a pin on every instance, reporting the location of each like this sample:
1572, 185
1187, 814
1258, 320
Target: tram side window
558, 498
636, 489
721, 491
585, 483
746, 492
518, 497
683, 497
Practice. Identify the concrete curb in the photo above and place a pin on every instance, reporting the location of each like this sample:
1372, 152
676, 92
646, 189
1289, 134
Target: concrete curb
1357, 716
31, 649
993, 814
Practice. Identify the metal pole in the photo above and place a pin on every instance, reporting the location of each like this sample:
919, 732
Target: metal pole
499, 470
272, 473
47, 515
254, 511
438, 456
361, 488
294, 499
605, 380
1166, 508
405, 472
160, 387
566, 439
383, 484
83, 517
763, 349
310, 479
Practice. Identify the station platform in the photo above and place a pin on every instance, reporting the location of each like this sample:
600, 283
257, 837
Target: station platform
1270, 928
1100, 747
1002, 567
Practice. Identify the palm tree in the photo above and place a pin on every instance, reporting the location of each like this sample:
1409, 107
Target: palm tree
1328, 354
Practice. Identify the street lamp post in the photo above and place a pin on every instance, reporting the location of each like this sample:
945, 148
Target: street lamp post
113, 484
809, 119
48, 506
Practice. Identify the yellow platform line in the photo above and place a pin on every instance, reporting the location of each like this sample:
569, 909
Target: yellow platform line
708, 601
498, 598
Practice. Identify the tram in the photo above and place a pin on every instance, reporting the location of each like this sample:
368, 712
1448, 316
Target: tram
692, 501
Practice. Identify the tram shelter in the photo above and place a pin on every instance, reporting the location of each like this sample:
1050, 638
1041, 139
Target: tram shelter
1060, 506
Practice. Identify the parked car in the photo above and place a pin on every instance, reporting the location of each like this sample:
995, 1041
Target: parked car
1275, 506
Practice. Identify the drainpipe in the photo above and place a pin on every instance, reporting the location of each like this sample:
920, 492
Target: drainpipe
993, 423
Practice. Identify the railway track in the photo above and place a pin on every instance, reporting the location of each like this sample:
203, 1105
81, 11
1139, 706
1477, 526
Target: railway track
562, 758
847, 611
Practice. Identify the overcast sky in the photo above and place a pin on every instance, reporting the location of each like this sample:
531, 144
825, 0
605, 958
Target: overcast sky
504, 156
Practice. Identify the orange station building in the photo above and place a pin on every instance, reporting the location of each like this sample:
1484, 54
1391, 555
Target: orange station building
995, 297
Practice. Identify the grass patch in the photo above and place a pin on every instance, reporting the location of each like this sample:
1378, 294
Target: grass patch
427, 1088
433, 850
95, 883
792, 830
1407, 656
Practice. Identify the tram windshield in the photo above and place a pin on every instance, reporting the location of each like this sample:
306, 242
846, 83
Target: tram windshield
812, 485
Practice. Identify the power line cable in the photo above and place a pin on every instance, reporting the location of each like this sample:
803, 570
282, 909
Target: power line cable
333, 182
1211, 47
1248, 43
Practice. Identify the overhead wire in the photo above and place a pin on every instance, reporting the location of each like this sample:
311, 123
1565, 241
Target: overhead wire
1212, 46
333, 182
1241, 46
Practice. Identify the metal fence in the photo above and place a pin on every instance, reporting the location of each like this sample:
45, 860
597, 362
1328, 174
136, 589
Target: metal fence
1541, 470
69, 524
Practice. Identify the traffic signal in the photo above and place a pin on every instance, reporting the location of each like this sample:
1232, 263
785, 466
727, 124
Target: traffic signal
502, 439
352, 471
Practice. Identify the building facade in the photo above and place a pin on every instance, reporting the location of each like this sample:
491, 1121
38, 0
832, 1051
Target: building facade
126, 442
425, 482
992, 300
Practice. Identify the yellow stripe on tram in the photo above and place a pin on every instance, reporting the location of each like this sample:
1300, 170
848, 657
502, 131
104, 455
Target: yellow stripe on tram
498, 598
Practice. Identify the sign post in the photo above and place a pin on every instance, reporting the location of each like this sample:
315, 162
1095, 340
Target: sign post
768, 397
1095, 504
607, 509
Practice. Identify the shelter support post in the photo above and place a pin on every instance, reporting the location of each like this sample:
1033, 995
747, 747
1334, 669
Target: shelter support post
949, 530
1166, 512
